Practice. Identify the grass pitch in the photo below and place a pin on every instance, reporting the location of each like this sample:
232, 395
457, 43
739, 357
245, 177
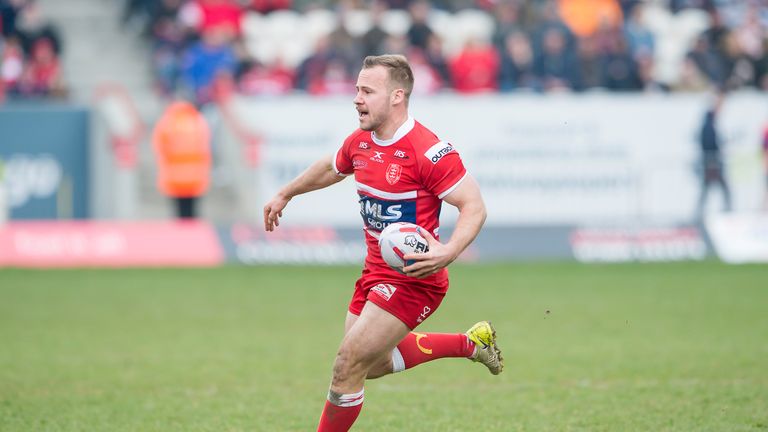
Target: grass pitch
673, 347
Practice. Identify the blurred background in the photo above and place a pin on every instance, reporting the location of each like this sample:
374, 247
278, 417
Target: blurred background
151, 132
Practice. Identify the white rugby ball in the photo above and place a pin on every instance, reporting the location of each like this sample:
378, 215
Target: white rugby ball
398, 239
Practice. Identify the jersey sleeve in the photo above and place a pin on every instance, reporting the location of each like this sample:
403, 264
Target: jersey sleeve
442, 169
342, 160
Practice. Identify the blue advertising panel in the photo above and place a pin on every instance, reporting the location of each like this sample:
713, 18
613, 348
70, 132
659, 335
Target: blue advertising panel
44, 161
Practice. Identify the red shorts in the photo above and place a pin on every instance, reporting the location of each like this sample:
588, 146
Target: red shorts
411, 301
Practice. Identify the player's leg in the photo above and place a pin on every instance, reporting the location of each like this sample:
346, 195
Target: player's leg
417, 348
413, 304
381, 367
477, 344
350, 321
371, 336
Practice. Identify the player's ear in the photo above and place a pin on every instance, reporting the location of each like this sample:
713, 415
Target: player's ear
397, 96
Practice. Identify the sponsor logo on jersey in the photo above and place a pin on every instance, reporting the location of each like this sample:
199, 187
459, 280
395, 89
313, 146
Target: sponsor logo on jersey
378, 214
419, 337
393, 173
363, 145
386, 291
422, 316
400, 154
359, 164
377, 157
437, 151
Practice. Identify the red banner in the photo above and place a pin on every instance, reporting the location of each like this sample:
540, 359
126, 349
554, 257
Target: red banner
109, 244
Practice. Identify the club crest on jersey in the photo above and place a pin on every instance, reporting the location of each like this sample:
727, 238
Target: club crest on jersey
363, 145
393, 173
437, 151
386, 291
378, 157
400, 154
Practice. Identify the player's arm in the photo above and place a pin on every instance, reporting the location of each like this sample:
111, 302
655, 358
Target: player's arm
319, 175
468, 199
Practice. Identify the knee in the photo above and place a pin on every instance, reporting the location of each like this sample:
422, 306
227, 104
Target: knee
350, 362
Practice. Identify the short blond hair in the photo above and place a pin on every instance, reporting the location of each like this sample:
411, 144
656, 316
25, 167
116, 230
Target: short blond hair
400, 72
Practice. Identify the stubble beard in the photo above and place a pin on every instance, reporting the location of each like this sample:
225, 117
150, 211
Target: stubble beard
371, 126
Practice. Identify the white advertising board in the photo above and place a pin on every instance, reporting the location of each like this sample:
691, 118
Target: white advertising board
740, 238
556, 159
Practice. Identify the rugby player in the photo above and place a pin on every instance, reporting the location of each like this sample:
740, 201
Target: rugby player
403, 173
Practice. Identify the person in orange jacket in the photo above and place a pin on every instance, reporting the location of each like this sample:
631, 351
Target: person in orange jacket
181, 140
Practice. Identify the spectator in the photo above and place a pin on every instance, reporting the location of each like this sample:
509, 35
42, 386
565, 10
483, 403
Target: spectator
556, 67
420, 32
181, 141
506, 19
259, 79
619, 70
711, 157
31, 26
549, 19
426, 79
137, 11
42, 75
347, 49
642, 45
313, 67
476, 68
692, 79
9, 10
751, 33
433, 54
640, 40
708, 61
397, 44
517, 67
590, 63
373, 40
11, 66
211, 58
720, 62
335, 80
169, 40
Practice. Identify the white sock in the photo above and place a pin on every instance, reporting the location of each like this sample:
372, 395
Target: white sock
398, 364
345, 400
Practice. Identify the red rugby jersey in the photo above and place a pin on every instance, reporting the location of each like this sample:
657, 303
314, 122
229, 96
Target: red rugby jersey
402, 179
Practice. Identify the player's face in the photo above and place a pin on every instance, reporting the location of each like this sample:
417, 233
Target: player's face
373, 98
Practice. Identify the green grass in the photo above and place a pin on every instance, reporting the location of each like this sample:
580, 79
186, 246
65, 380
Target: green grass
675, 347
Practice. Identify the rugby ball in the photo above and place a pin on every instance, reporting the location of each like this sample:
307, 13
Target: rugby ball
399, 239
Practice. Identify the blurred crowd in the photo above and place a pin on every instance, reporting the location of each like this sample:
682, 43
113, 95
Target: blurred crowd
30, 52
204, 46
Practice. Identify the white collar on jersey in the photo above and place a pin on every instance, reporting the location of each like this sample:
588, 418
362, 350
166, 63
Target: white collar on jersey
399, 133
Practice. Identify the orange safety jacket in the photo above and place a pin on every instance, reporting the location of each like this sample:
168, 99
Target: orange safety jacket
181, 140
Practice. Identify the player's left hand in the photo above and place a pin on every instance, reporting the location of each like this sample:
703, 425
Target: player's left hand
430, 262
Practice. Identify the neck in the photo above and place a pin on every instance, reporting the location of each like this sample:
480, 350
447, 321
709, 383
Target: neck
388, 129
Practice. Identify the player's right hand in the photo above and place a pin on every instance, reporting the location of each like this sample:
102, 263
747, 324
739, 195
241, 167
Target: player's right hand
273, 211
